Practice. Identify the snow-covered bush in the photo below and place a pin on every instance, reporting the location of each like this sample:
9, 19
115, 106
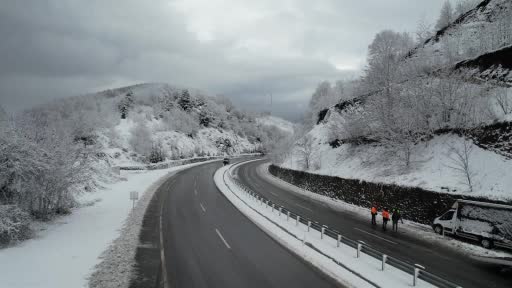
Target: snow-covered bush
14, 224
43, 166
178, 120
141, 140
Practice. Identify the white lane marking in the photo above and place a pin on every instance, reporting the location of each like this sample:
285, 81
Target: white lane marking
202, 207
304, 207
376, 236
222, 238
272, 193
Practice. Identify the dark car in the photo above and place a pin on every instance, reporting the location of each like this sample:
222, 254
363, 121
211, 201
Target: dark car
226, 161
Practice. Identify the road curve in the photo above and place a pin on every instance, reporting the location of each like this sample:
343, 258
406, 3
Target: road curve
442, 261
209, 243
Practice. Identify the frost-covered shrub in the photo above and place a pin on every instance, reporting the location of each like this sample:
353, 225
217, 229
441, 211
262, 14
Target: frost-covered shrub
14, 224
157, 153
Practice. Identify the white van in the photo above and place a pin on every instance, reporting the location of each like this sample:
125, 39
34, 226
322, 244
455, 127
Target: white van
488, 223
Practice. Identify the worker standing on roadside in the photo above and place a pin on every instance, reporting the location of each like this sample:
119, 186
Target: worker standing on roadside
374, 214
395, 218
385, 218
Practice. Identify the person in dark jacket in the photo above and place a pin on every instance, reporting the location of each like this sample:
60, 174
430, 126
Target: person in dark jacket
395, 218
385, 218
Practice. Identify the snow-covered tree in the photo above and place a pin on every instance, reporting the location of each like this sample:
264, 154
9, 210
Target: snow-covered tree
141, 140
185, 100
463, 6
446, 16
385, 54
304, 148
323, 97
125, 104
423, 30
157, 153
460, 162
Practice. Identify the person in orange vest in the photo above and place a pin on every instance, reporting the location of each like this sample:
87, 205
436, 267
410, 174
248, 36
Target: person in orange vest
374, 214
385, 218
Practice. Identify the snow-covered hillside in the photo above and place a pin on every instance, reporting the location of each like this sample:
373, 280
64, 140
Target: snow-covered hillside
172, 123
272, 121
436, 116
175, 144
435, 165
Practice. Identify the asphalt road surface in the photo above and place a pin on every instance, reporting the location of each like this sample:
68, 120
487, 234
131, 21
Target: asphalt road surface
209, 243
443, 261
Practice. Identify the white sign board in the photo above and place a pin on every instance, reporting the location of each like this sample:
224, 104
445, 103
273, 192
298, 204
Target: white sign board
134, 195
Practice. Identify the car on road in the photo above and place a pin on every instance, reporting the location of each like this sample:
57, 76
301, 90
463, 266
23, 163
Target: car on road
488, 223
226, 161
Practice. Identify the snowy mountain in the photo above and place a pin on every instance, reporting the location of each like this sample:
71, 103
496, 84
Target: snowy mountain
436, 116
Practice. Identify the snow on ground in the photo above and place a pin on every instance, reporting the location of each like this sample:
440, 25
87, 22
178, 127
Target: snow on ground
421, 231
66, 251
432, 165
280, 123
293, 237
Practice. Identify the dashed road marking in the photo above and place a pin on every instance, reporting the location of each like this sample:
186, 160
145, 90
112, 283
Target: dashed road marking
272, 193
371, 234
304, 207
222, 238
202, 207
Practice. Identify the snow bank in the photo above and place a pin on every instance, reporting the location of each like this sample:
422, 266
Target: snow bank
295, 237
66, 251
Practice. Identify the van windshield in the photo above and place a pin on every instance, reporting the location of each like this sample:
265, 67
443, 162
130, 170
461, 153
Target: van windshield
447, 216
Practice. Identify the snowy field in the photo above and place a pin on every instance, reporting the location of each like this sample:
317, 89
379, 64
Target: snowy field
421, 231
65, 252
433, 165
293, 236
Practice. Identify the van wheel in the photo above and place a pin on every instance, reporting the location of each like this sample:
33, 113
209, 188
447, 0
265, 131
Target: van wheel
486, 243
438, 229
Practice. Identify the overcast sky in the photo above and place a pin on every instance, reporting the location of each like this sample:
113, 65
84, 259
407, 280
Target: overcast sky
243, 49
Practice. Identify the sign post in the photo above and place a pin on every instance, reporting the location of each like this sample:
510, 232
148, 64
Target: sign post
134, 196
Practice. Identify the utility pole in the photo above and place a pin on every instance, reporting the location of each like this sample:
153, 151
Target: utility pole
270, 104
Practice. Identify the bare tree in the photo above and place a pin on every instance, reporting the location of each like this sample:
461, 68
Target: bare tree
503, 100
305, 151
460, 162
423, 30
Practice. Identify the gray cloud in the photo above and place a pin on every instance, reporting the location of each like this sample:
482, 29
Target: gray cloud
243, 49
